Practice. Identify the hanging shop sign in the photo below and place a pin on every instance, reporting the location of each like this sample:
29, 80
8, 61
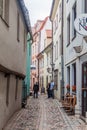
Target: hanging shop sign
33, 67
81, 24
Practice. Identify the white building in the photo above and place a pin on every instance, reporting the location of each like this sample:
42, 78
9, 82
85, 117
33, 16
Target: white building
56, 18
75, 55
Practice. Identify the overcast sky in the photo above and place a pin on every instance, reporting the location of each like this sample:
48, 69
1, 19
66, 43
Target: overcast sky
38, 9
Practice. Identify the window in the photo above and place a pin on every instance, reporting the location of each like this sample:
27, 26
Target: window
67, 1
57, 50
1, 8
4, 10
60, 45
16, 88
74, 73
7, 90
44, 43
68, 74
24, 39
85, 6
47, 59
18, 27
35, 63
56, 79
56, 21
73, 19
60, 12
68, 30
54, 26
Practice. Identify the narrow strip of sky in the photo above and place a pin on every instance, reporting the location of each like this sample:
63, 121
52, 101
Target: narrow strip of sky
38, 9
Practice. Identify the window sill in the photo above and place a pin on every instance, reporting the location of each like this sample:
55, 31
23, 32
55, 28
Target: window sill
4, 22
73, 38
68, 44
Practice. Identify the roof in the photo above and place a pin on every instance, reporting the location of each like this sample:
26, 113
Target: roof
25, 15
53, 9
49, 33
43, 23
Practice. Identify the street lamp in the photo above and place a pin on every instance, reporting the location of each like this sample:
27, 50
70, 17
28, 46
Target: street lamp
78, 49
51, 69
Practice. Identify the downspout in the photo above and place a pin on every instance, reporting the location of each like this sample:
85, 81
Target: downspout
62, 67
52, 51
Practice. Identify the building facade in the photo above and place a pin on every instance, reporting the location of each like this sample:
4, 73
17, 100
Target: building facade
57, 34
75, 55
47, 57
13, 37
28, 63
34, 52
45, 40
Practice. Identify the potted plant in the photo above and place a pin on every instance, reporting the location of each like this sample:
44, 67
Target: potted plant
74, 88
68, 87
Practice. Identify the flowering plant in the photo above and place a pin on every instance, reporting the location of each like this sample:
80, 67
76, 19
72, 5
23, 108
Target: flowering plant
74, 88
68, 86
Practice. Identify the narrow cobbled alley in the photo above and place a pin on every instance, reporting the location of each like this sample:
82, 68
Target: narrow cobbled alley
44, 114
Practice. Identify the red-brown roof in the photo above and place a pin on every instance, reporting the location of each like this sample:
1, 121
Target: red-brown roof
43, 23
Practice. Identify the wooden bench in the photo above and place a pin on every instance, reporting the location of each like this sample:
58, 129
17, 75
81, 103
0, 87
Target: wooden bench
69, 104
70, 108
67, 101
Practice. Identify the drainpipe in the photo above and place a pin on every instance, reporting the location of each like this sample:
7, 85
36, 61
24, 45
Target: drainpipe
52, 52
62, 66
38, 71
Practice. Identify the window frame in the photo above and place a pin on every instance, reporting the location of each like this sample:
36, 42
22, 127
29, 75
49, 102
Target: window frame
5, 11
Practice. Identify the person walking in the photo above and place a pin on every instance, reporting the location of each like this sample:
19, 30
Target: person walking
52, 89
48, 90
36, 89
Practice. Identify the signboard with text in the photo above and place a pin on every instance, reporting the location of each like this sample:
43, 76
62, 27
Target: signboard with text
81, 24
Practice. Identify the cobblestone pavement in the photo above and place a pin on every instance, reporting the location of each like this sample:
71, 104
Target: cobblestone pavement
44, 114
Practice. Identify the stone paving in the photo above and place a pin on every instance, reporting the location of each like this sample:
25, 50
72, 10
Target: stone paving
44, 114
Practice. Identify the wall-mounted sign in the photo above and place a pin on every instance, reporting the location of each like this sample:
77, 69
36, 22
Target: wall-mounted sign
81, 24
33, 67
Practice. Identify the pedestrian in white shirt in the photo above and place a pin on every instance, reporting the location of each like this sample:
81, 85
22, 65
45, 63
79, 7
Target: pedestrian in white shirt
52, 89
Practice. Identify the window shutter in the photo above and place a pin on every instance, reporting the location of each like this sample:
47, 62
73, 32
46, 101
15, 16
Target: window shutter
1, 7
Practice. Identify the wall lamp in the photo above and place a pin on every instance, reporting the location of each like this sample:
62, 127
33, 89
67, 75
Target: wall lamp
77, 49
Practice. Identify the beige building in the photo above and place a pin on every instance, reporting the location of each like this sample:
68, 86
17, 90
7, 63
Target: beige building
56, 18
14, 26
35, 51
45, 40
47, 57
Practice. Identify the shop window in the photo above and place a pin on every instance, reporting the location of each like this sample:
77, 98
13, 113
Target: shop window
68, 75
74, 74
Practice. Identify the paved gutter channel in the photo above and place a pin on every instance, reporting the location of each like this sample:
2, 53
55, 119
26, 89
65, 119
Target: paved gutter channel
73, 125
64, 116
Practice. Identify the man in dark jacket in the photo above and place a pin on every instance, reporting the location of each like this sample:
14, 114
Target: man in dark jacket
36, 89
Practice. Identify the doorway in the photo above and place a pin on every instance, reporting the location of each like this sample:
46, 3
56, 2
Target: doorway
84, 89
